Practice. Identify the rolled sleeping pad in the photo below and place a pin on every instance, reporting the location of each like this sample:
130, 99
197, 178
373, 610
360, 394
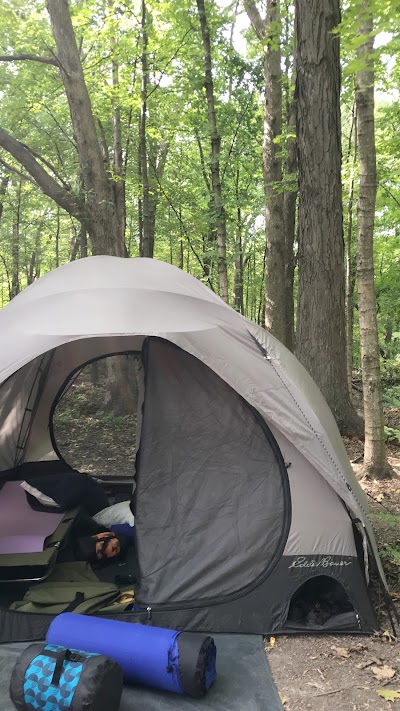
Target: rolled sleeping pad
51, 678
181, 662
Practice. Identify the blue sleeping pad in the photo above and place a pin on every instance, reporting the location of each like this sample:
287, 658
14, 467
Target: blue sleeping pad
181, 662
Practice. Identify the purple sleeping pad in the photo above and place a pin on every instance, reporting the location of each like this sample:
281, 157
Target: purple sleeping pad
23, 530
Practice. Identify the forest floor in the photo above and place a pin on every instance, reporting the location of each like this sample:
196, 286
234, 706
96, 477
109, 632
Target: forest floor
312, 673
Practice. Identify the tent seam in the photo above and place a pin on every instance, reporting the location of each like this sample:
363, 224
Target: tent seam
268, 358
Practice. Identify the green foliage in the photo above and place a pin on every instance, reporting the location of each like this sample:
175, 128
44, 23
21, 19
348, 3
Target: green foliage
389, 552
392, 434
391, 520
35, 111
391, 396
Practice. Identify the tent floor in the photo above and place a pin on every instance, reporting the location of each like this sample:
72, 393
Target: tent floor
244, 681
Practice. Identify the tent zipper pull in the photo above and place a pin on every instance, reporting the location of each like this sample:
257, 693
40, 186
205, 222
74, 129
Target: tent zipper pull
148, 613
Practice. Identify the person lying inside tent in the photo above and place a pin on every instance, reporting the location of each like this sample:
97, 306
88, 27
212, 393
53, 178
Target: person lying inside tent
41, 523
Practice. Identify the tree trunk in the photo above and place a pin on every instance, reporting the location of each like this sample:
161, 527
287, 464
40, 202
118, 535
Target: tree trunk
275, 282
15, 282
290, 176
118, 163
375, 462
57, 239
74, 245
289, 221
120, 387
215, 139
209, 237
33, 271
157, 160
238, 281
147, 242
3, 190
100, 208
181, 240
140, 201
350, 270
83, 242
276, 298
321, 337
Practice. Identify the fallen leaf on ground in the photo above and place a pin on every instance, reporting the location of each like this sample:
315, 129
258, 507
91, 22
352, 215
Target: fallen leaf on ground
389, 695
388, 635
383, 673
379, 498
341, 651
282, 698
270, 644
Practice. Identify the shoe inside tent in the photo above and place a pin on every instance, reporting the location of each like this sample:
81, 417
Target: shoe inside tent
248, 517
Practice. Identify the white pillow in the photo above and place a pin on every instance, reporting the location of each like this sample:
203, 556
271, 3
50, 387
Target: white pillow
118, 513
42, 498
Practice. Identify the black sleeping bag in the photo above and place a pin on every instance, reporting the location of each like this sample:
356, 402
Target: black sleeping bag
68, 490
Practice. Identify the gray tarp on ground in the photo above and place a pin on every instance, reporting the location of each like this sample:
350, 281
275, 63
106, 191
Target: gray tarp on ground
244, 681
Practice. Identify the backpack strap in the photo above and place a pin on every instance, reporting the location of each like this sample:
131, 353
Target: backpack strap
78, 599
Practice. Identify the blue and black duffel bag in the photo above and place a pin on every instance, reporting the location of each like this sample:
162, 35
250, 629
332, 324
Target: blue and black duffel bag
47, 676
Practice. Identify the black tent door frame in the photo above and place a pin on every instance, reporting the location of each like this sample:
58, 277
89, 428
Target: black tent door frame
205, 602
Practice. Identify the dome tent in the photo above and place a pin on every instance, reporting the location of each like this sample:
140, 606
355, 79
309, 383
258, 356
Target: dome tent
245, 496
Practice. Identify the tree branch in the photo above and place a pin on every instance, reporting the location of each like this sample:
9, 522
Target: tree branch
3, 189
203, 162
241, 119
382, 185
161, 159
28, 57
259, 26
171, 59
48, 165
16, 171
43, 179
104, 145
186, 233
7, 275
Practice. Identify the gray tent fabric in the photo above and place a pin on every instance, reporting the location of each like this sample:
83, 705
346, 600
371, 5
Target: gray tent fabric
102, 305
244, 681
212, 496
18, 396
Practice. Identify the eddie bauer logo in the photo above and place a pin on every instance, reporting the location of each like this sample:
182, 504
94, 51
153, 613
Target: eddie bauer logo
327, 562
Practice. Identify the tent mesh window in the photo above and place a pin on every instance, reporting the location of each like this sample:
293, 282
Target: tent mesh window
321, 601
94, 422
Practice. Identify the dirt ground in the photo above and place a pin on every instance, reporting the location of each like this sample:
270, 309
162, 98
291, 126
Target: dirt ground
316, 673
